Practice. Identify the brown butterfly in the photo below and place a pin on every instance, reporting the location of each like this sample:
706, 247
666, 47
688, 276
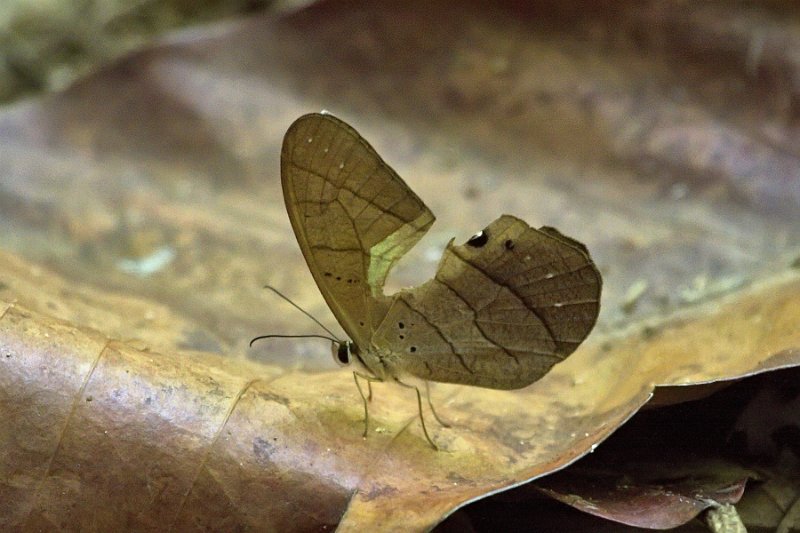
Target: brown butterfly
502, 309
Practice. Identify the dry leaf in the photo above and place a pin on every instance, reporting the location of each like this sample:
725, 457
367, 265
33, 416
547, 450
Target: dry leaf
660, 505
666, 465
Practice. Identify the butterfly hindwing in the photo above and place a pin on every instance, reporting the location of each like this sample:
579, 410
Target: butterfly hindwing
501, 310
353, 216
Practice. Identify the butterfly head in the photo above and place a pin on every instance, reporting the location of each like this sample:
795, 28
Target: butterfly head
341, 353
345, 352
348, 353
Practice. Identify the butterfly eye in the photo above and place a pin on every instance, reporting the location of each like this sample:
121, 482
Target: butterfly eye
342, 354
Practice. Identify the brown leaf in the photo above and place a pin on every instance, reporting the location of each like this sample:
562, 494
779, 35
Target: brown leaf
667, 465
144, 203
655, 506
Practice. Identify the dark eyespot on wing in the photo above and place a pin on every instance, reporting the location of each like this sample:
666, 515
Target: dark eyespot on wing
478, 240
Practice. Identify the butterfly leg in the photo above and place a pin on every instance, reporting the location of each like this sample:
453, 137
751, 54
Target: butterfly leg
369, 380
421, 417
430, 404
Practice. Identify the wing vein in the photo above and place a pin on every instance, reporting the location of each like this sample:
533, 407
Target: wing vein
444, 338
475, 321
511, 289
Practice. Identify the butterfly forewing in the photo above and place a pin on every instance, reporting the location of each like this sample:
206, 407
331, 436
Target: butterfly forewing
500, 312
353, 216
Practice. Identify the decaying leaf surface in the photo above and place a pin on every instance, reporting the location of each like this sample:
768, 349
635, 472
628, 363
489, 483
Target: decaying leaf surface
192, 440
147, 198
661, 469
655, 506
665, 466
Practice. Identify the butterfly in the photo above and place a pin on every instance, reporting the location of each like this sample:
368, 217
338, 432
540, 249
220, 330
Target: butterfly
501, 310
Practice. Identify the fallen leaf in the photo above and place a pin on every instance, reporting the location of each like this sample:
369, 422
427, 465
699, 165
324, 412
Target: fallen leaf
662, 505
667, 465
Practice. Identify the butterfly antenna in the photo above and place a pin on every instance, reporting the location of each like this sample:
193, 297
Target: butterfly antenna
309, 315
294, 337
